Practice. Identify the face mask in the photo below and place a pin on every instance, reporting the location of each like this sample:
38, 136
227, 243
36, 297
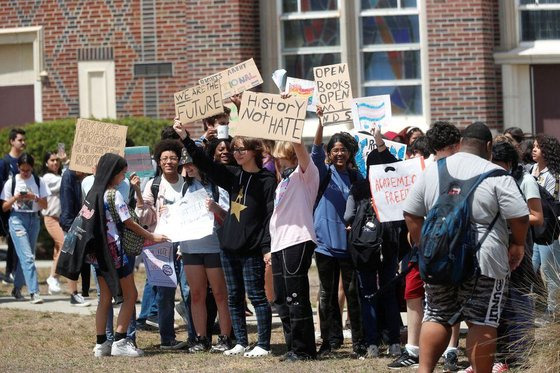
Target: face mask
287, 172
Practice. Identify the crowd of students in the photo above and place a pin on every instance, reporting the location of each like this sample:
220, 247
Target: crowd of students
278, 207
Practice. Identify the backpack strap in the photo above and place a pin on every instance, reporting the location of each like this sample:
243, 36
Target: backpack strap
322, 188
556, 188
155, 186
37, 182
112, 208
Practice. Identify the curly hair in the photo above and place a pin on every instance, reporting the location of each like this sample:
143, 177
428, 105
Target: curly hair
550, 149
349, 143
422, 145
167, 145
442, 134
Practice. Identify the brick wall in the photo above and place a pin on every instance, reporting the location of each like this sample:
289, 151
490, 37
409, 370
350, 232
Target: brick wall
198, 37
465, 84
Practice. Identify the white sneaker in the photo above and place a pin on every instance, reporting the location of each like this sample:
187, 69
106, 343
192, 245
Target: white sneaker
77, 300
103, 349
236, 350
54, 285
125, 347
36, 299
257, 352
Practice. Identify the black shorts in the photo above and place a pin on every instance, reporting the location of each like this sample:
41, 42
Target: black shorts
206, 260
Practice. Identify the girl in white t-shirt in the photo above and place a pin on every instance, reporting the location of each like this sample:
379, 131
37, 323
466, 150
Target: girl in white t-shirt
25, 195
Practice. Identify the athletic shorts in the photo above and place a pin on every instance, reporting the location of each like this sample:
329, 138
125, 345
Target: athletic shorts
483, 306
206, 260
414, 286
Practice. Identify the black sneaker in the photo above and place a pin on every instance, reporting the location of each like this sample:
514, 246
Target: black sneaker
173, 345
224, 344
153, 321
202, 345
404, 361
16, 293
325, 351
292, 357
358, 351
450, 362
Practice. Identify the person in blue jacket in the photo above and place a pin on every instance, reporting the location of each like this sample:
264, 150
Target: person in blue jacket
331, 256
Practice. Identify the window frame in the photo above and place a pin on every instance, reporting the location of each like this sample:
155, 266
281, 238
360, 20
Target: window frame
531, 7
421, 46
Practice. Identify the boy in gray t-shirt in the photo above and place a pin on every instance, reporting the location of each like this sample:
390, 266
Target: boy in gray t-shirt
496, 256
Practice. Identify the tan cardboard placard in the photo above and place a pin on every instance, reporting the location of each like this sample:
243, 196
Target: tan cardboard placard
236, 79
268, 116
334, 93
93, 139
198, 102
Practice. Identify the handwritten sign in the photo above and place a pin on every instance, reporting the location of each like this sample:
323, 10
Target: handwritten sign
236, 79
199, 102
366, 144
304, 89
93, 139
188, 219
334, 93
139, 161
372, 111
268, 116
158, 261
390, 185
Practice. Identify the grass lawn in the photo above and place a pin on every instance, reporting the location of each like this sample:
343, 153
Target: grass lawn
40, 341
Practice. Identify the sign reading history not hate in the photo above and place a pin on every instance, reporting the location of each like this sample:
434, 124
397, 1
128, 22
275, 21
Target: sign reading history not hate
93, 139
269, 116
236, 79
199, 102
334, 93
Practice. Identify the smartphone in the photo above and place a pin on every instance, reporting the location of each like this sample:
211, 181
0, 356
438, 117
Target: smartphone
61, 148
23, 192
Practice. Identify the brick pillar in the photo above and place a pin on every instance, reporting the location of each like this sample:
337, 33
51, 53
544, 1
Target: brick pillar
465, 83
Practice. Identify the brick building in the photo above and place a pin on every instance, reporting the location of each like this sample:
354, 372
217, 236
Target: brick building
489, 60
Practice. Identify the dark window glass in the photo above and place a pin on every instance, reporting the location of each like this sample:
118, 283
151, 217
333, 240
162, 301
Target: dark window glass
405, 100
289, 6
540, 25
390, 30
301, 66
392, 65
379, 4
311, 33
314, 5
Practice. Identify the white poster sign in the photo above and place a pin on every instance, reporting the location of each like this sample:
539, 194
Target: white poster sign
159, 264
188, 219
390, 184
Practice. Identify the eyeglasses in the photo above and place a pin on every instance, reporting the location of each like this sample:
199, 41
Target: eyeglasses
169, 159
239, 150
339, 151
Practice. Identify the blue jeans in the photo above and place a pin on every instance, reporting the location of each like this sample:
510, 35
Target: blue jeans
246, 273
24, 230
386, 299
547, 259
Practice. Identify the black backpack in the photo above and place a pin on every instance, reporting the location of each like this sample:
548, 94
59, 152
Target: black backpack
448, 244
365, 238
548, 232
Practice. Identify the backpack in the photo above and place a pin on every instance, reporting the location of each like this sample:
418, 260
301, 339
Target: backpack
448, 243
548, 232
365, 237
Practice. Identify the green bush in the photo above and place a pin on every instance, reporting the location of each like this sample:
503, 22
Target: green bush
45, 136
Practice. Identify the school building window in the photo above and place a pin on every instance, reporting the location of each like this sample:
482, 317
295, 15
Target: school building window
539, 19
379, 39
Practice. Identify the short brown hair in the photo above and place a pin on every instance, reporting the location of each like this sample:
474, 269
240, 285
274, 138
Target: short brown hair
251, 143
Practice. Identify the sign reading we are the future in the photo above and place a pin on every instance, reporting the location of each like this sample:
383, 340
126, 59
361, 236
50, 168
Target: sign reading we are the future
199, 102
236, 79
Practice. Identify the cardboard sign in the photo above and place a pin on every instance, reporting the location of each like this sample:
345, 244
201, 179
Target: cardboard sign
93, 139
199, 102
160, 268
372, 111
188, 219
390, 185
366, 144
304, 89
397, 149
334, 93
236, 79
139, 161
271, 117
